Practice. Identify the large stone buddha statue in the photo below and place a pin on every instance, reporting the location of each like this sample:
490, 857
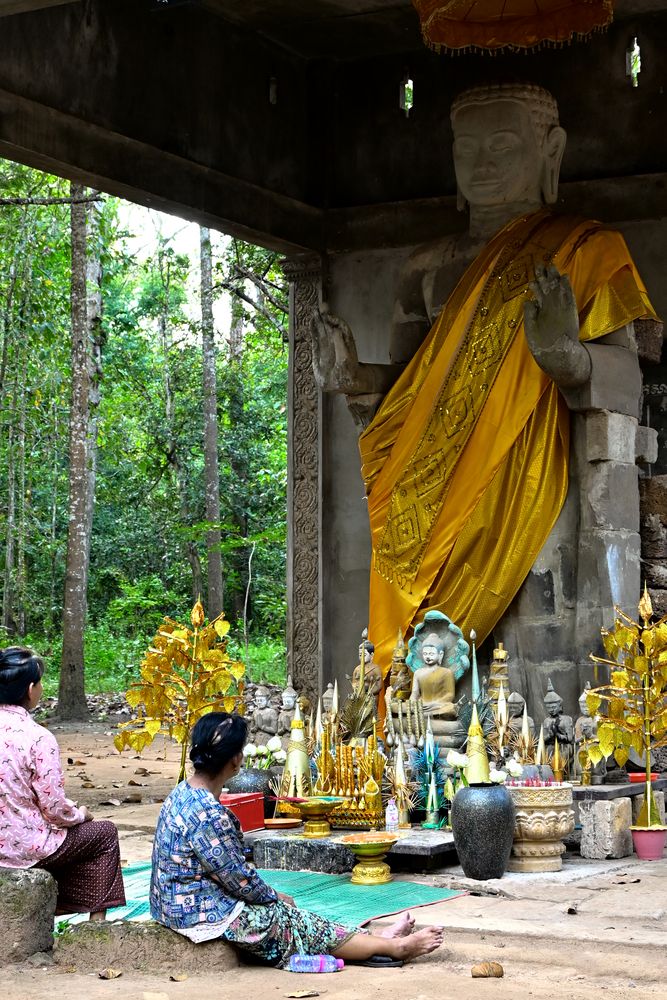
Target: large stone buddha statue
504, 340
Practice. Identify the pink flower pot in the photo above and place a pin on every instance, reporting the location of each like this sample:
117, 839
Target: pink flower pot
649, 844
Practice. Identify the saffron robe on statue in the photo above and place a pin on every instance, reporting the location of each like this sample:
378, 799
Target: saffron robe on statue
466, 460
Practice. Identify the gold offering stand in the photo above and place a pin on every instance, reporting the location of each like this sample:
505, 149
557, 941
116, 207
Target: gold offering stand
354, 775
370, 849
315, 813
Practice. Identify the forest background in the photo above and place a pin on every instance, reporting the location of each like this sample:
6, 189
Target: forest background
125, 418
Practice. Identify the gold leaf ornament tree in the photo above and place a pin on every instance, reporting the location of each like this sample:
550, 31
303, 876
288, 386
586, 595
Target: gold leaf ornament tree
632, 708
186, 673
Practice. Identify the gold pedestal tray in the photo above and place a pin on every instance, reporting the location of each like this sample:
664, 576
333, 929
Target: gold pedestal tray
315, 813
370, 848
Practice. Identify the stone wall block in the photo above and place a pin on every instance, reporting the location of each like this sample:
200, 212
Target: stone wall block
649, 335
615, 383
618, 552
610, 437
653, 493
659, 601
654, 537
605, 828
646, 445
637, 801
612, 496
27, 905
655, 574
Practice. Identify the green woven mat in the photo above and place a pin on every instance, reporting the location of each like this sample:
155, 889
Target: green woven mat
332, 896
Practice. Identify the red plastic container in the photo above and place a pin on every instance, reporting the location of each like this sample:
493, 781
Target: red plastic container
248, 807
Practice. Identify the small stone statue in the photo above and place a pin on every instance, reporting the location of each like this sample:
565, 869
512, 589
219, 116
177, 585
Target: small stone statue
586, 728
515, 707
559, 727
372, 673
327, 702
265, 717
288, 705
401, 676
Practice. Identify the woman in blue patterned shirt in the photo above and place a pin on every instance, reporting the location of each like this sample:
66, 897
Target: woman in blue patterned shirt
202, 886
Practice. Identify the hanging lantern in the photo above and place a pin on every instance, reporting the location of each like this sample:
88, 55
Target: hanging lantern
494, 25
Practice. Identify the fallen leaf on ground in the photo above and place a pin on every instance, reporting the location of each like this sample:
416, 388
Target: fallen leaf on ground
110, 973
138, 784
487, 970
133, 797
178, 977
116, 784
110, 802
142, 770
87, 784
303, 993
627, 881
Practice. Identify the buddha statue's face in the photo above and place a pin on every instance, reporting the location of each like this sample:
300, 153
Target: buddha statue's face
431, 655
289, 700
554, 708
515, 707
367, 655
497, 157
261, 701
583, 706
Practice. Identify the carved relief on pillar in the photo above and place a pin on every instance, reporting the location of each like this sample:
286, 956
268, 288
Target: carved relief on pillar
303, 497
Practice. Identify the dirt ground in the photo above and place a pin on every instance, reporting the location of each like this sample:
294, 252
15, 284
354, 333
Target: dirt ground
595, 927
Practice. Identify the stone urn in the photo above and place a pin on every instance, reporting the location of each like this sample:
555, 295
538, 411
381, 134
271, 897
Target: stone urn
543, 816
254, 779
482, 818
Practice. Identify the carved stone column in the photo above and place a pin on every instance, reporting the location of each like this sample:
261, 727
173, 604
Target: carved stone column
304, 535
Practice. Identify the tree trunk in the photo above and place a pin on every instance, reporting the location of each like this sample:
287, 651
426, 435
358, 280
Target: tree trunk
173, 457
242, 603
211, 473
8, 623
86, 352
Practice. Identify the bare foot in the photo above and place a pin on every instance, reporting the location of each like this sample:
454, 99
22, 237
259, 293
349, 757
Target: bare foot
401, 927
422, 942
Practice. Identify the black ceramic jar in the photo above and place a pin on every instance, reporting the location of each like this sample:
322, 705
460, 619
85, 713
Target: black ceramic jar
482, 818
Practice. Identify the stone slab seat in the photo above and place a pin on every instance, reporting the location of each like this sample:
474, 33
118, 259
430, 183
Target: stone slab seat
27, 906
143, 947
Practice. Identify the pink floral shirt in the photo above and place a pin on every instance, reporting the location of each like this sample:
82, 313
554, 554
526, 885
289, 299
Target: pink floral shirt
34, 810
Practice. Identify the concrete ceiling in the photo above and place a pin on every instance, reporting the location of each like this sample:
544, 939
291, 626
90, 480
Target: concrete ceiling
8, 7
346, 28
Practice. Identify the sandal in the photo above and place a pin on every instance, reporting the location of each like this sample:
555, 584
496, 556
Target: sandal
382, 962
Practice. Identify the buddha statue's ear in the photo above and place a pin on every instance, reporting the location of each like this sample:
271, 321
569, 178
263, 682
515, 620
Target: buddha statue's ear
461, 203
553, 149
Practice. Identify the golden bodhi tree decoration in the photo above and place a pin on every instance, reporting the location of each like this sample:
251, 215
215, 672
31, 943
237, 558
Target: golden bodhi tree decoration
632, 708
185, 674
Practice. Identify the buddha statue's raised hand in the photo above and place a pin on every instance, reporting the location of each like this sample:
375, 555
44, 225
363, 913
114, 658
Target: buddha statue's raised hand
551, 323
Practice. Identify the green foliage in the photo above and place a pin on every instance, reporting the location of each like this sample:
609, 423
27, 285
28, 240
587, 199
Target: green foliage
149, 514
112, 661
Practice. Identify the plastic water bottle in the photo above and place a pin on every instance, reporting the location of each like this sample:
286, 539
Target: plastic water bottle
315, 963
391, 817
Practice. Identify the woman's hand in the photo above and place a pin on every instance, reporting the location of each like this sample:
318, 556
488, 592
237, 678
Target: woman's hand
284, 898
87, 815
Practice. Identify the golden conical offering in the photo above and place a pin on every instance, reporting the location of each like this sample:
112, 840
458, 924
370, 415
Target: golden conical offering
477, 769
541, 755
296, 779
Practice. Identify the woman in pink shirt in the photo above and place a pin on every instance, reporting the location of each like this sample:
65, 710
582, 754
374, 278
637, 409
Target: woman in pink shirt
39, 826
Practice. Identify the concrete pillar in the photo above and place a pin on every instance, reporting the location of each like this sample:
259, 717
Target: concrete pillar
304, 490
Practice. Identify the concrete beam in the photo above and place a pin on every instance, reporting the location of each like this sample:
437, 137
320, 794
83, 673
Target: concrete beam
404, 223
59, 143
8, 7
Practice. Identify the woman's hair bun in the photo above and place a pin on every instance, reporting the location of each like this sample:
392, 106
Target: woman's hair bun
216, 738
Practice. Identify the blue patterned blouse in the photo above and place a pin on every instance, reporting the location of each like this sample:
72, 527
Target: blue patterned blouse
199, 872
